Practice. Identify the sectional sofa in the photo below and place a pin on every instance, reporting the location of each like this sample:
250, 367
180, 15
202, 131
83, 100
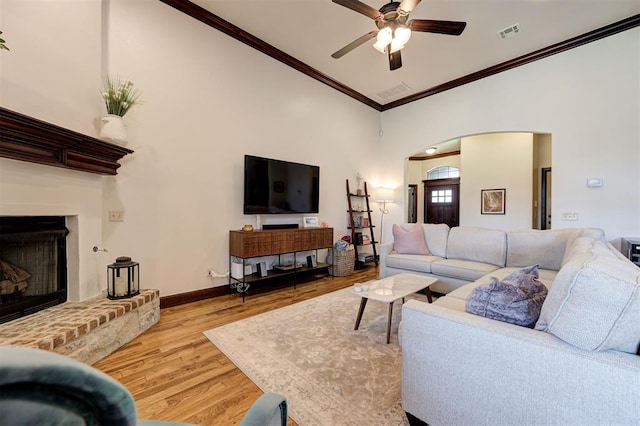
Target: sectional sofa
578, 365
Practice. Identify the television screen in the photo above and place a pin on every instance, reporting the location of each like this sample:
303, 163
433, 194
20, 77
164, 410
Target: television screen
278, 187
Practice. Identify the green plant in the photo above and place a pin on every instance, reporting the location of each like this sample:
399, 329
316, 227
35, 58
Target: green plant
120, 96
3, 46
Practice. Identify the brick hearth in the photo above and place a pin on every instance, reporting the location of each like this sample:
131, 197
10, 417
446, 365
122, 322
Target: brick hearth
87, 331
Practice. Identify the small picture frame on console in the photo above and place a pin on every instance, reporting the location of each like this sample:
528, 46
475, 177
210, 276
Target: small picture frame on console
493, 201
310, 222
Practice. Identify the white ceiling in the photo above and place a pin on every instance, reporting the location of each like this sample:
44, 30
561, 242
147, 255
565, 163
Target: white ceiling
311, 30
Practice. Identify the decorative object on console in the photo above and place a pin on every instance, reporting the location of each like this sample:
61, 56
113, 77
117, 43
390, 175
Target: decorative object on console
493, 201
123, 278
262, 268
119, 97
310, 222
247, 228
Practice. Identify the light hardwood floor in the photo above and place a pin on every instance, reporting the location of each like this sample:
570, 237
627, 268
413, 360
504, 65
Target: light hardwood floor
175, 373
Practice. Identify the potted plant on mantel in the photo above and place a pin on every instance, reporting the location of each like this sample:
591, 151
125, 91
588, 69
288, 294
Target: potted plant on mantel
3, 46
119, 97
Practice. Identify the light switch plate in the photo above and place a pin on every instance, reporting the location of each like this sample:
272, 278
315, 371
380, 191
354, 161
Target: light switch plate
594, 182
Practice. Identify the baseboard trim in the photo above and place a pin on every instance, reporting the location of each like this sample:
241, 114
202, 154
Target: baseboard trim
193, 296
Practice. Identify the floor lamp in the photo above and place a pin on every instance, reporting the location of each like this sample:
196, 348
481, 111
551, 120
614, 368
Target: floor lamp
384, 196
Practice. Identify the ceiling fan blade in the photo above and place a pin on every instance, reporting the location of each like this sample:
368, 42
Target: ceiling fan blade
359, 7
408, 5
357, 42
439, 27
395, 60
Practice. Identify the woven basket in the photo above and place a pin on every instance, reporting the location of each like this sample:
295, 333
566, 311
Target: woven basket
342, 263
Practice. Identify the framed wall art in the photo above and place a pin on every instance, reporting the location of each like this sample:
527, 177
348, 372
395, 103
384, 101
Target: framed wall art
493, 201
310, 222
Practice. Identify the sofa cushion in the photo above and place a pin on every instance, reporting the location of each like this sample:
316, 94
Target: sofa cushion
411, 262
463, 269
584, 242
435, 234
477, 244
594, 303
546, 248
409, 242
517, 299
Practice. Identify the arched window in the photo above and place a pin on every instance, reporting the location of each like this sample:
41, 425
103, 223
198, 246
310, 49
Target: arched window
443, 172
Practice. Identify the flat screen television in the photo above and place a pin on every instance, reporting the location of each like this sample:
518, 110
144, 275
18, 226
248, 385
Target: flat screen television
280, 187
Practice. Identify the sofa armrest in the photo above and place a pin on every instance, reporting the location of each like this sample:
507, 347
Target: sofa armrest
460, 368
383, 251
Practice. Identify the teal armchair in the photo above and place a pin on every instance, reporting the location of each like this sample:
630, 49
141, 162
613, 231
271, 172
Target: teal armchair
39, 387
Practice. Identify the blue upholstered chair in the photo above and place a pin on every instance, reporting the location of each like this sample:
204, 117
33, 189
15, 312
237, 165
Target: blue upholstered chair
268, 410
45, 388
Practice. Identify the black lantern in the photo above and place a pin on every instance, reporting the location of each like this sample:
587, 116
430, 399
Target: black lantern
123, 278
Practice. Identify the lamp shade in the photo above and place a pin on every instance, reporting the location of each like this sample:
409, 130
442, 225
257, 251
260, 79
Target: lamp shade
384, 195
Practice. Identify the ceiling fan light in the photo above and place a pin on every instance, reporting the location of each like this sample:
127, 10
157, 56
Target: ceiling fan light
402, 35
384, 36
380, 47
395, 46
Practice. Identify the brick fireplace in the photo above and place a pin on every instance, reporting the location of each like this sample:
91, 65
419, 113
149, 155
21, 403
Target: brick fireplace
86, 326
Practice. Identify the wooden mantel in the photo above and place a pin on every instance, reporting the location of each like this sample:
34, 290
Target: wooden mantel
28, 139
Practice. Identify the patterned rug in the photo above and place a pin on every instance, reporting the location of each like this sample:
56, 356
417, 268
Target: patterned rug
330, 373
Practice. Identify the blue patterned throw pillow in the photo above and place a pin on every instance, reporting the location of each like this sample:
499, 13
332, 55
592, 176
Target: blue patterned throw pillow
517, 299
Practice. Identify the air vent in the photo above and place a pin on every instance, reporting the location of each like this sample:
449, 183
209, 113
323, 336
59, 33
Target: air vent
396, 90
510, 31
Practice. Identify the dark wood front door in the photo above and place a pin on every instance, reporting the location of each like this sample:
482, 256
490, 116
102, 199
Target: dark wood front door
441, 201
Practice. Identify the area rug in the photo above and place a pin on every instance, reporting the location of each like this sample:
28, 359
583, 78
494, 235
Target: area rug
330, 373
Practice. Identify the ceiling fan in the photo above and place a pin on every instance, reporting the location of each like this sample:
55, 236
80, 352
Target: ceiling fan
394, 28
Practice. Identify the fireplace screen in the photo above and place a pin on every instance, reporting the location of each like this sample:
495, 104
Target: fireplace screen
33, 264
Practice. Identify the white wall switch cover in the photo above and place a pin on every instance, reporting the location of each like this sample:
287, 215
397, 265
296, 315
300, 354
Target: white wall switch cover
594, 182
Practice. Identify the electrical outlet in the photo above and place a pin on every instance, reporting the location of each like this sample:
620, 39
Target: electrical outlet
116, 216
570, 216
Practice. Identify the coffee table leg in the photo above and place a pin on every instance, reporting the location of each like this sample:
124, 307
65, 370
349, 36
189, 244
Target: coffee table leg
363, 303
427, 292
389, 322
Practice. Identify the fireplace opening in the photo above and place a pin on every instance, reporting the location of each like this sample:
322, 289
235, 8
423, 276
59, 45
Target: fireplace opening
33, 264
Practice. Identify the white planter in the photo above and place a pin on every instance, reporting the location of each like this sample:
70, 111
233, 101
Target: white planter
113, 130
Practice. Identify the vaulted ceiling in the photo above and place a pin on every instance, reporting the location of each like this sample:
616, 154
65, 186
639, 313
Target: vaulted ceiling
304, 34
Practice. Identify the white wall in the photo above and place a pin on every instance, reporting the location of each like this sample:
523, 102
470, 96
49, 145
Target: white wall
53, 74
586, 98
207, 101
497, 161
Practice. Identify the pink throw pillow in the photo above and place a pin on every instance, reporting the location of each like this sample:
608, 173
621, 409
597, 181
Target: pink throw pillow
409, 242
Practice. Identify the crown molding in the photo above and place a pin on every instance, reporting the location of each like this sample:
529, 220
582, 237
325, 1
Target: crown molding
241, 35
